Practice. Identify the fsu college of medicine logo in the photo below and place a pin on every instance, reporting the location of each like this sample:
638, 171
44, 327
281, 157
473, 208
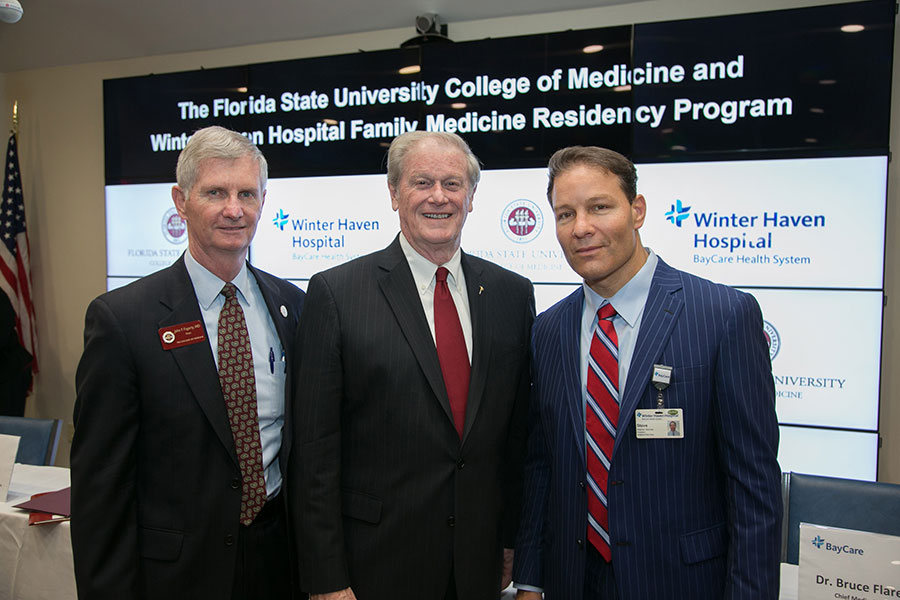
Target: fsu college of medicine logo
521, 221
173, 226
772, 338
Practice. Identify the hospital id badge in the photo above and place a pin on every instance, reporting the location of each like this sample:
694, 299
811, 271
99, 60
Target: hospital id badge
662, 423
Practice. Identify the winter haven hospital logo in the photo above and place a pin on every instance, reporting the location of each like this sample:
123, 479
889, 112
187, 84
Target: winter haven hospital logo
522, 221
735, 238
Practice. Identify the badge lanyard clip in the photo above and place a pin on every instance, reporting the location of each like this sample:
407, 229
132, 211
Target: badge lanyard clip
662, 377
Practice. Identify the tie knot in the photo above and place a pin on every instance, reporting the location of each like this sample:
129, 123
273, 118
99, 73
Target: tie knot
441, 275
229, 290
606, 312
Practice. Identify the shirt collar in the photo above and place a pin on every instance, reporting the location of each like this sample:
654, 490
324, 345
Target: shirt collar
423, 270
629, 301
207, 286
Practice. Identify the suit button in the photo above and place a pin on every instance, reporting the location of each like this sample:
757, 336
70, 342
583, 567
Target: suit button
229, 539
461, 464
235, 483
580, 544
451, 521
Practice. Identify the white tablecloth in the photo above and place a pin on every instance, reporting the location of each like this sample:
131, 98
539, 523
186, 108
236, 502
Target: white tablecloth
36, 561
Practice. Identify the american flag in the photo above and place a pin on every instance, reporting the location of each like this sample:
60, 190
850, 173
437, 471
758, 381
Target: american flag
14, 252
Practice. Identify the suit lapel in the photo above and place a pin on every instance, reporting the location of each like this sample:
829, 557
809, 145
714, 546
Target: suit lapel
399, 289
278, 308
664, 305
196, 361
570, 365
476, 288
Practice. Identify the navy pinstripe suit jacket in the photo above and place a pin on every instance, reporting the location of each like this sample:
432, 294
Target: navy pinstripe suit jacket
693, 518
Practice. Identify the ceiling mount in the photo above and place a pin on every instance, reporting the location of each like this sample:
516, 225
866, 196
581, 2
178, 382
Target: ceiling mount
430, 28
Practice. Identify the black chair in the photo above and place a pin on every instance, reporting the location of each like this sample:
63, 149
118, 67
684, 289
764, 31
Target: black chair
38, 441
833, 502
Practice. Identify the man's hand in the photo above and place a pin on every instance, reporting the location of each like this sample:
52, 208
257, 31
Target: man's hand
523, 595
507, 568
345, 594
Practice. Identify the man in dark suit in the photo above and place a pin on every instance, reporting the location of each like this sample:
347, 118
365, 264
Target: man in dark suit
15, 363
614, 507
410, 417
180, 369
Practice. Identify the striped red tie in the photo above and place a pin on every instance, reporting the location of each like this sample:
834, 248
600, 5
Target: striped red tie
601, 419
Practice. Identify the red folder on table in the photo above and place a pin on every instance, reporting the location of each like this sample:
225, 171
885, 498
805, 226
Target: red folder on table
48, 507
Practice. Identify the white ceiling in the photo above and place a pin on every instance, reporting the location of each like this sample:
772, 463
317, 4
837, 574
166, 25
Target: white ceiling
65, 32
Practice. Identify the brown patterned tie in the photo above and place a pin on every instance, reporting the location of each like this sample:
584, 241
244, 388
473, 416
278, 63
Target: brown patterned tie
239, 388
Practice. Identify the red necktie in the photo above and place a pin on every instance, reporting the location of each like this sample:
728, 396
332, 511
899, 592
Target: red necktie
451, 349
239, 388
601, 419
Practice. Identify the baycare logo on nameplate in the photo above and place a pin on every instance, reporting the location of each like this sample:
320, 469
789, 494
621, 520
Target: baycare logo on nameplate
521, 221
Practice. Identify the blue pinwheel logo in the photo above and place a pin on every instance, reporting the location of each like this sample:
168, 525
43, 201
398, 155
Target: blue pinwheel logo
678, 213
280, 219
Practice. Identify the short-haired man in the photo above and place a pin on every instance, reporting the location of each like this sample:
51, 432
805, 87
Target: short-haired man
411, 400
614, 507
180, 440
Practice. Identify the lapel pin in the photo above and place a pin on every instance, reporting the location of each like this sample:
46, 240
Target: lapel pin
283, 311
480, 289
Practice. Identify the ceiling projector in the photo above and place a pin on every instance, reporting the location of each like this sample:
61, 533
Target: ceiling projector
10, 11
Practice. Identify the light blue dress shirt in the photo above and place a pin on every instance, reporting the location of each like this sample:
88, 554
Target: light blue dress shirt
629, 303
265, 347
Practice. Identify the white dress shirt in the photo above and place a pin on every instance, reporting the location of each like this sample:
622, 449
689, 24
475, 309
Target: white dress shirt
423, 272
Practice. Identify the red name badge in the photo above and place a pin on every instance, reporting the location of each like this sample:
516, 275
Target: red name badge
180, 335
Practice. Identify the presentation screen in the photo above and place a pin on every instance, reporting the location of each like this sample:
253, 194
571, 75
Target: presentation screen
761, 142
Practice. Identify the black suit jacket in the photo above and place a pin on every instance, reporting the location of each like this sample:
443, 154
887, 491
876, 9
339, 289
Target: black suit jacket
387, 499
15, 363
156, 489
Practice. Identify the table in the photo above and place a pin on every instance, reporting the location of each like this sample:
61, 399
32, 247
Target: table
35, 562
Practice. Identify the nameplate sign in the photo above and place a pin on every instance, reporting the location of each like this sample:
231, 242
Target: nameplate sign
843, 564
9, 446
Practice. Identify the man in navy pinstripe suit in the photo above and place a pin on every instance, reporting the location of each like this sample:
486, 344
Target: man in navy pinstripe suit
690, 517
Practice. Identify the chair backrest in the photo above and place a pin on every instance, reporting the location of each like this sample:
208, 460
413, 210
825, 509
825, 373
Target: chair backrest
847, 503
39, 438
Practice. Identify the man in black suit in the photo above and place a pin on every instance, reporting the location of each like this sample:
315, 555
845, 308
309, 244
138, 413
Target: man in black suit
406, 477
15, 363
162, 505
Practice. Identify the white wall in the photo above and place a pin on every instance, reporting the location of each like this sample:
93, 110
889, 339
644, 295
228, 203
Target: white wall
61, 146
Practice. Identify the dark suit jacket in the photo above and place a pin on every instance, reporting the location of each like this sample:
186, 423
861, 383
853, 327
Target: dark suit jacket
387, 498
692, 518
15, 363
156, 489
